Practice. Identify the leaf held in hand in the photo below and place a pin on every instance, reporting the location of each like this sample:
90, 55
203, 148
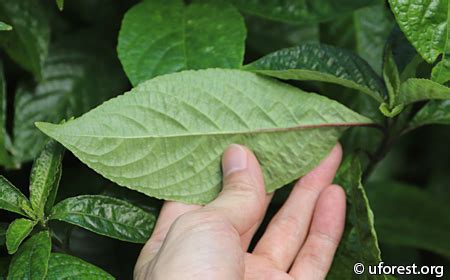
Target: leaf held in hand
165, 138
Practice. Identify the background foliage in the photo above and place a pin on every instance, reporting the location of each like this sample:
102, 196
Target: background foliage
382, 59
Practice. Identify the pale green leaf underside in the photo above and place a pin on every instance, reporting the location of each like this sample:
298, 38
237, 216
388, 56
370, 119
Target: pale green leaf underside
31, 260
425, 24
164, 36
359, 242
5, 27
62, 266
413, 90
305, 11
400, 221
11, 199
321, 63
434, 112
106, 216
165, 138
17, 232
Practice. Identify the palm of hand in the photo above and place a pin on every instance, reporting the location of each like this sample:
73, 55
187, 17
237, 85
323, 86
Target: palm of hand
211, 242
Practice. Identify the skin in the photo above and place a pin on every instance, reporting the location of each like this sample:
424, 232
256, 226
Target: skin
211, 241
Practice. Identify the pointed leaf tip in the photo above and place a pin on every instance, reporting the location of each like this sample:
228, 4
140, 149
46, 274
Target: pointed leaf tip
46, 127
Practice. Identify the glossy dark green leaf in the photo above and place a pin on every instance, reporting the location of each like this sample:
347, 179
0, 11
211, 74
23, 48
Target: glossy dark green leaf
441, 72
62, 266
106, 216
372, 27
5, 26
409, 216
434, 112
44, 178
359, 243
305, 11
18, 230
76, 77
321, 63
31, 260
414, 90
165, 36
364, 31
181, 123
27, 44
425, 25
13, 200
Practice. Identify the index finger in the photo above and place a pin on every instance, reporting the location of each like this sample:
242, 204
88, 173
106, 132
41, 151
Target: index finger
170, 211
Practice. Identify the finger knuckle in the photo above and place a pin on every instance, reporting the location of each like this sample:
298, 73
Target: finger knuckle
287, 223
201, 221
241, 186
317, 261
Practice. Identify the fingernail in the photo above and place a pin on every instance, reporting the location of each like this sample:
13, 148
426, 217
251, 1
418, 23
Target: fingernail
234, 159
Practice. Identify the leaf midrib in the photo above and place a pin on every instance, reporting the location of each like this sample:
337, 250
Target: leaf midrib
218, 133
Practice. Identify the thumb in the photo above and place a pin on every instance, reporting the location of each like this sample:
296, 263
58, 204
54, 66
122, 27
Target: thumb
242, 200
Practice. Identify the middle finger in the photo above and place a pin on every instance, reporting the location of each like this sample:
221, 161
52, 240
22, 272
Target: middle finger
286, 232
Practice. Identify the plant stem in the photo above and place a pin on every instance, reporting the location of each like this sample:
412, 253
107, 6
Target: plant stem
381, 151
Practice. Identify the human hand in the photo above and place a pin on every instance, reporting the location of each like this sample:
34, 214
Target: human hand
211, 242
